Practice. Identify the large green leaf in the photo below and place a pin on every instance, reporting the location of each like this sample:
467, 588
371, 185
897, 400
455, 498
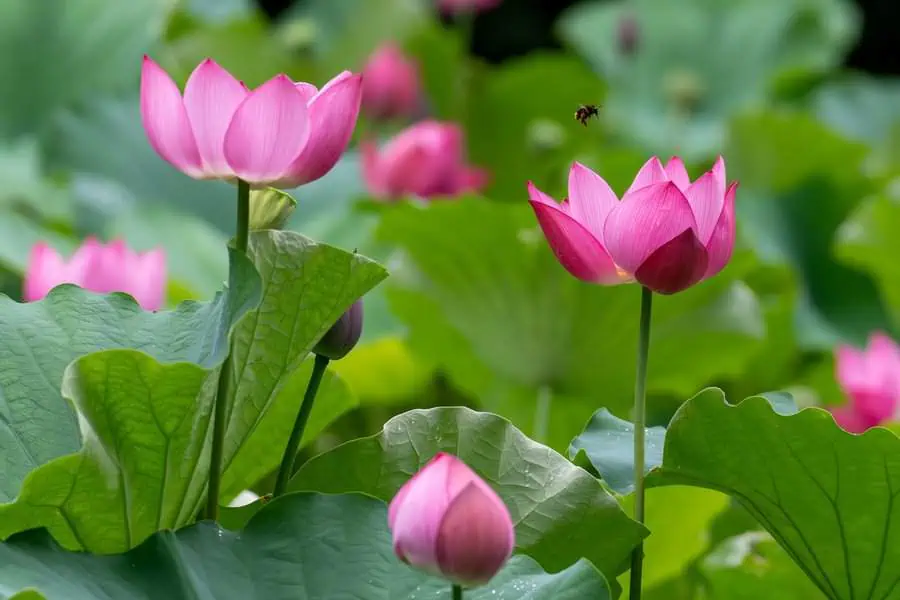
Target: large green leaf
493, 308
753, 566
42, 338
792, 202
827, 496
697, 63
300, 547
76, 52
144, 463
561, 512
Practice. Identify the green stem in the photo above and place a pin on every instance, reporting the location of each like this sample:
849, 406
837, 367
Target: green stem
242, 238
640, 418
293, 445
542, 414
457, 592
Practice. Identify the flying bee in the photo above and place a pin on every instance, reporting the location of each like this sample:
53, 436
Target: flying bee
586, 112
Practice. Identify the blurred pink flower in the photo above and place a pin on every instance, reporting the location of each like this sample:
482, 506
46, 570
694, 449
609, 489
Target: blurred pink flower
667, 233
390, 84
282, 134
101, 268
425, 160
447, 521
871, 379
464, 6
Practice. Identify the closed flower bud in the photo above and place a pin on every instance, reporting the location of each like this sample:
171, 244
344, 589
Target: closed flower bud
343, 335
447, 521
871, 380
390, 84
270, 208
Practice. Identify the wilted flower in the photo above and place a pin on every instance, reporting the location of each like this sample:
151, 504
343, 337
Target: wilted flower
667, 233
343, 335
871, 379
447, 521
425, 160
101, 268
390, 84
466, 6
282, 134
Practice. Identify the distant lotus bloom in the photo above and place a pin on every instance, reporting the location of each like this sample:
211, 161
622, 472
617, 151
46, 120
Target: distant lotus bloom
871, 380
466, 6
101, 268
667, 233
425, 160
447, 521
282, 134
390, 84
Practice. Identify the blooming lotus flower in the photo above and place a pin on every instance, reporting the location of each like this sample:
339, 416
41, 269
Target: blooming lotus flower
101, 268
447, 521
390, 84
282, 134
667, 233
425, 160
871, 379
466, 6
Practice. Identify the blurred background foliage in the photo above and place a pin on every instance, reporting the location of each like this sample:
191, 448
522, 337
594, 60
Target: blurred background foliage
801, 96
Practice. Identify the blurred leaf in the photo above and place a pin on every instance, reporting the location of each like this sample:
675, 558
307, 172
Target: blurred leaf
753, 566
802, 181
144, 463
608, 442
215, 11
521, 121
302, 546
861, 107
383, 371
697, 63
441, 59
57, 55
824, 494
561, 513
493, 309
42, 338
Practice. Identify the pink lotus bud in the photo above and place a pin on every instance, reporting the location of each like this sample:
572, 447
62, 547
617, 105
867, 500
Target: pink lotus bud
628, 35
390, 84
282, 134
424, 160
447, 521
871, 379
667, 233
343, 335
101, 268
467, 6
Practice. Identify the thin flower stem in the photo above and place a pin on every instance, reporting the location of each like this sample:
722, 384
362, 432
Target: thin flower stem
640, 418
457, 592
293, 445
242, 238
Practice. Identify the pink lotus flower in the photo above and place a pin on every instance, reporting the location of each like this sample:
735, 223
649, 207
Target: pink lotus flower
101, 268
425, 160
447, 521
667, 233
390, 84
871, 379
465, 6
282, 134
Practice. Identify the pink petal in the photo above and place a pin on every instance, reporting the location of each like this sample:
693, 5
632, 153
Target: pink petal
308, 90
46, 269
166, 121
332, 118
707, 199
850, 420
677, 174
211, 98
851, 369
721, 242
674, 266
148, 285
575, 247
471, 179
644, 221
372, 169
416, 518
268, 132
652, 172
476, 536
590, 199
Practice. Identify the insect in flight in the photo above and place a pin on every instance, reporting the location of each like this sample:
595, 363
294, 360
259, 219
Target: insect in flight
585, 112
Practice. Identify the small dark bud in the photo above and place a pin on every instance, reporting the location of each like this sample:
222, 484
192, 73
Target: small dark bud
628, 35
343, 335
